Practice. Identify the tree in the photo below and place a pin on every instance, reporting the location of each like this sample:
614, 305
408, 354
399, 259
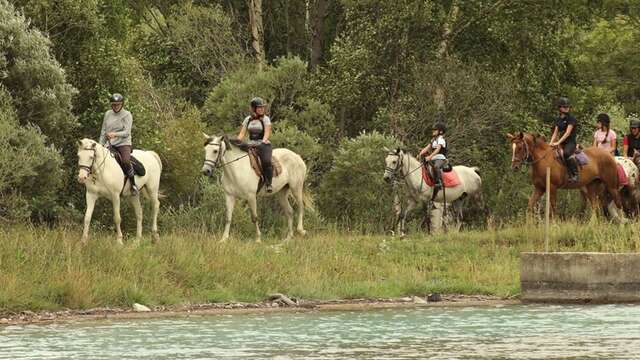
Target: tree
257, 31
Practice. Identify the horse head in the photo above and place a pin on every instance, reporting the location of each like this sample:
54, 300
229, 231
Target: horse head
214, 149
519, 150
393, 163
86, 158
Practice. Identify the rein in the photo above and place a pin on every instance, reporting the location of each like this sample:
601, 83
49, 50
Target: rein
399, 165
90, 168
529, 155
214, 164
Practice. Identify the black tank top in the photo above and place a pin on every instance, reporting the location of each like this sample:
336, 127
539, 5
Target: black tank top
634, 144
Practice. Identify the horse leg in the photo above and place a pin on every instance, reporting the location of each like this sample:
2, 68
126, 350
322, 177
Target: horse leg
618, 212
91, 199
298, 192
230, 202
533, 200
135, 201
411, 204
155, 209
115, 200
593, 197
253, 206
288, 212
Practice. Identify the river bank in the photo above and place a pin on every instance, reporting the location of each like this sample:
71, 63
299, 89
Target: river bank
47, 317
46, 271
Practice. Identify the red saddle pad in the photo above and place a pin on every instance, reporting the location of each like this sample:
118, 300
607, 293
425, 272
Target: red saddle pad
450, 178
622, 176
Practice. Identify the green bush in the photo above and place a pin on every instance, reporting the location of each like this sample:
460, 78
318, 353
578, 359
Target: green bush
284, 86
353, 192
30, 170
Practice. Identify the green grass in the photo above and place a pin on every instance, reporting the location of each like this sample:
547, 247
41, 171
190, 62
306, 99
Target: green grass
48, 269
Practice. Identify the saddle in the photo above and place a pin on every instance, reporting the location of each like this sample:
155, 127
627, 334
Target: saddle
580, 156
137, 166
254, 159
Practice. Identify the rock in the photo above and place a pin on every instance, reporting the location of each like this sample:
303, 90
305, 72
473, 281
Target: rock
435, 297
4, 321
406, 299
418, 300
282, 298
140, 308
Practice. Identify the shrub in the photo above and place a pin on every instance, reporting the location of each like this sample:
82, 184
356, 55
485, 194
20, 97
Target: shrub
353, 191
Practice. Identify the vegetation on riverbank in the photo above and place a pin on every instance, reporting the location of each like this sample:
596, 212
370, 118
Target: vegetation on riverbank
49, 269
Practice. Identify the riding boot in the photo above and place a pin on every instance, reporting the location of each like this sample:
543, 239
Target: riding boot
572, 168
132, 180
268, 176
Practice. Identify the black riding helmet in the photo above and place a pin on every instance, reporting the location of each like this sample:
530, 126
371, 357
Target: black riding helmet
116, 98
440, 127
634, 123
604, 119
256, 102
564, 101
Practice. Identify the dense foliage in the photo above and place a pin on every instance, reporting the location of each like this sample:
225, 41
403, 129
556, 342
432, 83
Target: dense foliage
342, 78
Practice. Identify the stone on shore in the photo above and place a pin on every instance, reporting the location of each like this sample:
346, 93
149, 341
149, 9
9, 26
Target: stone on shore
140, 308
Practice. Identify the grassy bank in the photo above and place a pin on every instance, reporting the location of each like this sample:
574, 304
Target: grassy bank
49, 269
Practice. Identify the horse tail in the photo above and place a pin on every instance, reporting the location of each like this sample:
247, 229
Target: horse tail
307, 200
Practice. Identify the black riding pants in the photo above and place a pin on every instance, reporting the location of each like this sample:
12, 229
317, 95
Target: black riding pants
436, 169
264, 152
568, 149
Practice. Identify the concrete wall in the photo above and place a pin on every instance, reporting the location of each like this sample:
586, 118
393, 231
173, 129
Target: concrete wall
580, 277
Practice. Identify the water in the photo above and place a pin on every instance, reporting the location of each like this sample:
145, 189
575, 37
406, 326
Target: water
502, 332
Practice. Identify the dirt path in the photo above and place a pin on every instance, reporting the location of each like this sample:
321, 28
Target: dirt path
277, 305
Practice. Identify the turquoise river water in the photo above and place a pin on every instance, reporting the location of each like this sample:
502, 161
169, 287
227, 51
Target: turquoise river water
496, 332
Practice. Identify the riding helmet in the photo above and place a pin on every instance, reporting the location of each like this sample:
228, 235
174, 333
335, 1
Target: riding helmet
256, 102
116, 98
440, 127
564, 101
634, 123
604, 119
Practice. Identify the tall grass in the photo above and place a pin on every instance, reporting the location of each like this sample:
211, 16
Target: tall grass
48, 268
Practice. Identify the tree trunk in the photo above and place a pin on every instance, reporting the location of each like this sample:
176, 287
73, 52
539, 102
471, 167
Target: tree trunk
443, 50
317, 31
257, 31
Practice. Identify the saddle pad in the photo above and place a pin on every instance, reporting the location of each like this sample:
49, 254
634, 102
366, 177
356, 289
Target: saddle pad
450, 179
623, 180
582, 158
257, 166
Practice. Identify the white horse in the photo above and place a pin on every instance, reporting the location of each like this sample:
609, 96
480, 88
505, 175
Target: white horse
407, 170
240, 181
103, 177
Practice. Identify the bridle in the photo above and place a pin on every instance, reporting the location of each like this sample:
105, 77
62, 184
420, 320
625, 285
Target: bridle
399, 166
89, 168
527, 159
218, 162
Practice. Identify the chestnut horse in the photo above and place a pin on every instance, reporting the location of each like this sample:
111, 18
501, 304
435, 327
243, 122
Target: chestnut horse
531, 149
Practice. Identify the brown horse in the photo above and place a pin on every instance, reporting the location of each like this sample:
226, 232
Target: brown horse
599, 172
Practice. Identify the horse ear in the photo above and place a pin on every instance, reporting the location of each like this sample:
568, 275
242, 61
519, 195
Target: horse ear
510, 136
386, 149
398, 150
520, 135
206, 136
636, 152
226, 141
79, 143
